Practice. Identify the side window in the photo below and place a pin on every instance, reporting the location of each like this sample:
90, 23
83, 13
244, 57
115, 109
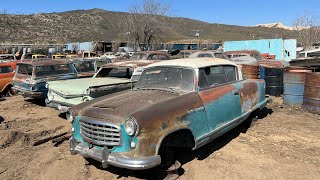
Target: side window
153, 57
216, 75
6, 69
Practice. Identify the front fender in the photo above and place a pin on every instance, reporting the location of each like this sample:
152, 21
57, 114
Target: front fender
8, 85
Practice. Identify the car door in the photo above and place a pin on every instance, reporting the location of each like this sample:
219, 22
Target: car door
6, 74
220, 96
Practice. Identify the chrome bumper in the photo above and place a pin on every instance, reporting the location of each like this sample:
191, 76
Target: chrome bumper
26, 93
111, 158
62, 107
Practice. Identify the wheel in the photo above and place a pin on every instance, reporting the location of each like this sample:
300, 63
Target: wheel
167, 157
9, 92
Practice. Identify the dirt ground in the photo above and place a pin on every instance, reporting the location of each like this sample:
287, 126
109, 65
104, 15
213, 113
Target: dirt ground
282, 142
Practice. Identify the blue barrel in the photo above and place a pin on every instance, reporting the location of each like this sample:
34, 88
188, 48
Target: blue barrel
294, 81
262, 72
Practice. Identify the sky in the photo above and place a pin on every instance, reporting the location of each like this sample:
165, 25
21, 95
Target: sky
236, 12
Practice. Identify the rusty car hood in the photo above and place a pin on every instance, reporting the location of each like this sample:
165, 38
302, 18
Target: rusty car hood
116, 107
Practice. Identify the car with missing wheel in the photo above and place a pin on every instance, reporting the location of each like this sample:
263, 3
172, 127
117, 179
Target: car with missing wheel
32, 75
183, 103
111, 78
7, 71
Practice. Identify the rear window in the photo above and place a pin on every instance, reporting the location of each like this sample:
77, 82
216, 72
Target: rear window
137, 56
53, 70
119, 72
84, 67
6, 69
24, 69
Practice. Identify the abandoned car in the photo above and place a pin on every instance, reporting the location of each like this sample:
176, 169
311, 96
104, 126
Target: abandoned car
249, 56
113, 77
208, 54
149, 55
31, 76
178, 103
7, 70
89, 66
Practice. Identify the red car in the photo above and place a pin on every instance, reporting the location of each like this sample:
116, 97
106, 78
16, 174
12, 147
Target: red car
7, 71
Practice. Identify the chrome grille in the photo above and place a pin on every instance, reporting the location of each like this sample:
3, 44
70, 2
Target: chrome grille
100, 133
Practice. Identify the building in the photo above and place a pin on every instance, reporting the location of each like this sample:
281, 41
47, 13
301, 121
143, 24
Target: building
283, 49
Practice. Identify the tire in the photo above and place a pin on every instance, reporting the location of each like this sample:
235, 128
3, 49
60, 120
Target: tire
167, 156
9, 92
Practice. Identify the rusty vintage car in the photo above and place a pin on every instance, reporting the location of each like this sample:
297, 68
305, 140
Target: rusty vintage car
7, 71
111, 78
250, 56
179, 103
31, 76
150, 55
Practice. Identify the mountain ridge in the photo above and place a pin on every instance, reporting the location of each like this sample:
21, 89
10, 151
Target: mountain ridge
102, 25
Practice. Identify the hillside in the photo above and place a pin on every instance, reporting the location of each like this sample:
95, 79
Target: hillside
101, 25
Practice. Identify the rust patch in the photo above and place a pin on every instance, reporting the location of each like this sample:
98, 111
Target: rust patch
248, 95
165, 119
215, 93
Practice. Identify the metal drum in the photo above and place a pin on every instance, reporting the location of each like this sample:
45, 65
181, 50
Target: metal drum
250, 71
274, 81
262, 69
311, 100
294, 81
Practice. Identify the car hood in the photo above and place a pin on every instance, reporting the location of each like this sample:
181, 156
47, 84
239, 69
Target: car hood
117, 107
80, 86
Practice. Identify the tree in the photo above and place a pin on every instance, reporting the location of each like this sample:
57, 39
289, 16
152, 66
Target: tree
308, 26
146, 23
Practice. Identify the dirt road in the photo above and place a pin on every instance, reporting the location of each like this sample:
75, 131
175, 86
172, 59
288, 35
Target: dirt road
283, 143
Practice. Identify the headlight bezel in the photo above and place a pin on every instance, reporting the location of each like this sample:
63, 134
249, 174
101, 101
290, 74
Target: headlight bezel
131, 123
70, 115
50, 96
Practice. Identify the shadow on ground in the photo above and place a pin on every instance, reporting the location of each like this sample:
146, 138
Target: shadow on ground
39, 102
185, 156
1, 119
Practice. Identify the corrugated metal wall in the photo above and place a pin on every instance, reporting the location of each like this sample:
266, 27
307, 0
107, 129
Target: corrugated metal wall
283, 49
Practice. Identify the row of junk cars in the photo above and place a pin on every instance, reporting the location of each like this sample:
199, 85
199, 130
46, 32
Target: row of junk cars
133, 113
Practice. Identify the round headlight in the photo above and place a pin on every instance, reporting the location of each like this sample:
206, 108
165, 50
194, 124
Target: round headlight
69, 115
50, 96
131, 126
47, 85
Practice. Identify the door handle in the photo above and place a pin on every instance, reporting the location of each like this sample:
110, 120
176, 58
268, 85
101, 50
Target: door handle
236, 93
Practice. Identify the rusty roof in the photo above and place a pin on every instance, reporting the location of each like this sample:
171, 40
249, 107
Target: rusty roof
194, 63
44, 62
134, 63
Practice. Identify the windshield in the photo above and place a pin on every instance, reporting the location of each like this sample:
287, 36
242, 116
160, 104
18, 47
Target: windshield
138, 56
53, 70
24, 69
118, 72
167, 77
84, 67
